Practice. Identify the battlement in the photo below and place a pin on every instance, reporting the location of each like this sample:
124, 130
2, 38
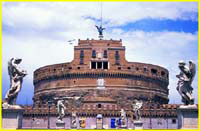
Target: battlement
93, 42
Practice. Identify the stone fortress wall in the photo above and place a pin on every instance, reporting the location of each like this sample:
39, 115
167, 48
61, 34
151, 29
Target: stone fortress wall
103, 59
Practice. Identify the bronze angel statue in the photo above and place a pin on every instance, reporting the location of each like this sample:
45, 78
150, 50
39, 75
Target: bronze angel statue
100, 30
186, 77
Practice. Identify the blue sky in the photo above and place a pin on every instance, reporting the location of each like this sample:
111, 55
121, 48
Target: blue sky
160, 33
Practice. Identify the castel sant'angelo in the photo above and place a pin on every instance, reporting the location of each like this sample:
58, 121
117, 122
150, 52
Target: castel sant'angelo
100, 88
106, 83
101, 72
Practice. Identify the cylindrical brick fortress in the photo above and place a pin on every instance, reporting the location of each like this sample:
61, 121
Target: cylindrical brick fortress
99, 69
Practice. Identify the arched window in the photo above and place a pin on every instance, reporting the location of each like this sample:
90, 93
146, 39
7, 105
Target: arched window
162, 73
99, 105
154, 71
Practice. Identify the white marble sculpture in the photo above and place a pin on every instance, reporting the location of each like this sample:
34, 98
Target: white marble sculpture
123, 118
74, 123
61, 110
61, 107
16, 78
137, 105
186, 77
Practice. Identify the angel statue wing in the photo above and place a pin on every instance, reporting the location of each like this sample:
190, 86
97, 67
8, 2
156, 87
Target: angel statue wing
137, 105
192, 68
10, 67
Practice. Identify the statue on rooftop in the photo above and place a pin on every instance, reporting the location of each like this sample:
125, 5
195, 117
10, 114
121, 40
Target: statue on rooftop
186, 77
100, 30
137, 105
16, 78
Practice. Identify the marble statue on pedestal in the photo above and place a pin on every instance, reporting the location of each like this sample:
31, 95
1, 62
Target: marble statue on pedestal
123, 118
61, 110
137, 105
74, 123
186, 77
61, 107
136, 109
16, 78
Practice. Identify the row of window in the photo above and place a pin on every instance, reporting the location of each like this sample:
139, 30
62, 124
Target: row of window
105, 55
104, 65
153, 71
99, 65
161, 82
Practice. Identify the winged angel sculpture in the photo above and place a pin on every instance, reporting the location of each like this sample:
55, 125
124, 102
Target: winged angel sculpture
61, 106
16, 78
136, 108
186, 77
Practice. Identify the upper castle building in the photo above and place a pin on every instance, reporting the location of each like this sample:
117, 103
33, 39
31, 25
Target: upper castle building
100, 71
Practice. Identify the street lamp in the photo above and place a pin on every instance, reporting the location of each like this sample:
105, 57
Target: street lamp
32, 115
49, 106
150, 106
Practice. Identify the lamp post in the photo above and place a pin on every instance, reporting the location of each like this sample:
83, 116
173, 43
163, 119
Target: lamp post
32, 116
49, 106
150, 106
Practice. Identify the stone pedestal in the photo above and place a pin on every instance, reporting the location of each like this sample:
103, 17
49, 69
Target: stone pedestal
123, 124
60, 125
12, 118
188, 117
99, 121
138, 124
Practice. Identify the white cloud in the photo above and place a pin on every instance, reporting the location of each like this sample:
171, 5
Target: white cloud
35, 51
162, 48
69, 15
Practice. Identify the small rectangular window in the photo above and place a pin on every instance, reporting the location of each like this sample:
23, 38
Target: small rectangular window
81, 57
99, 65
93, 65
93, 53
162, 73
145, 70
105, 65
117, 57
82, 54
153, 71
105, 54
81, 61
